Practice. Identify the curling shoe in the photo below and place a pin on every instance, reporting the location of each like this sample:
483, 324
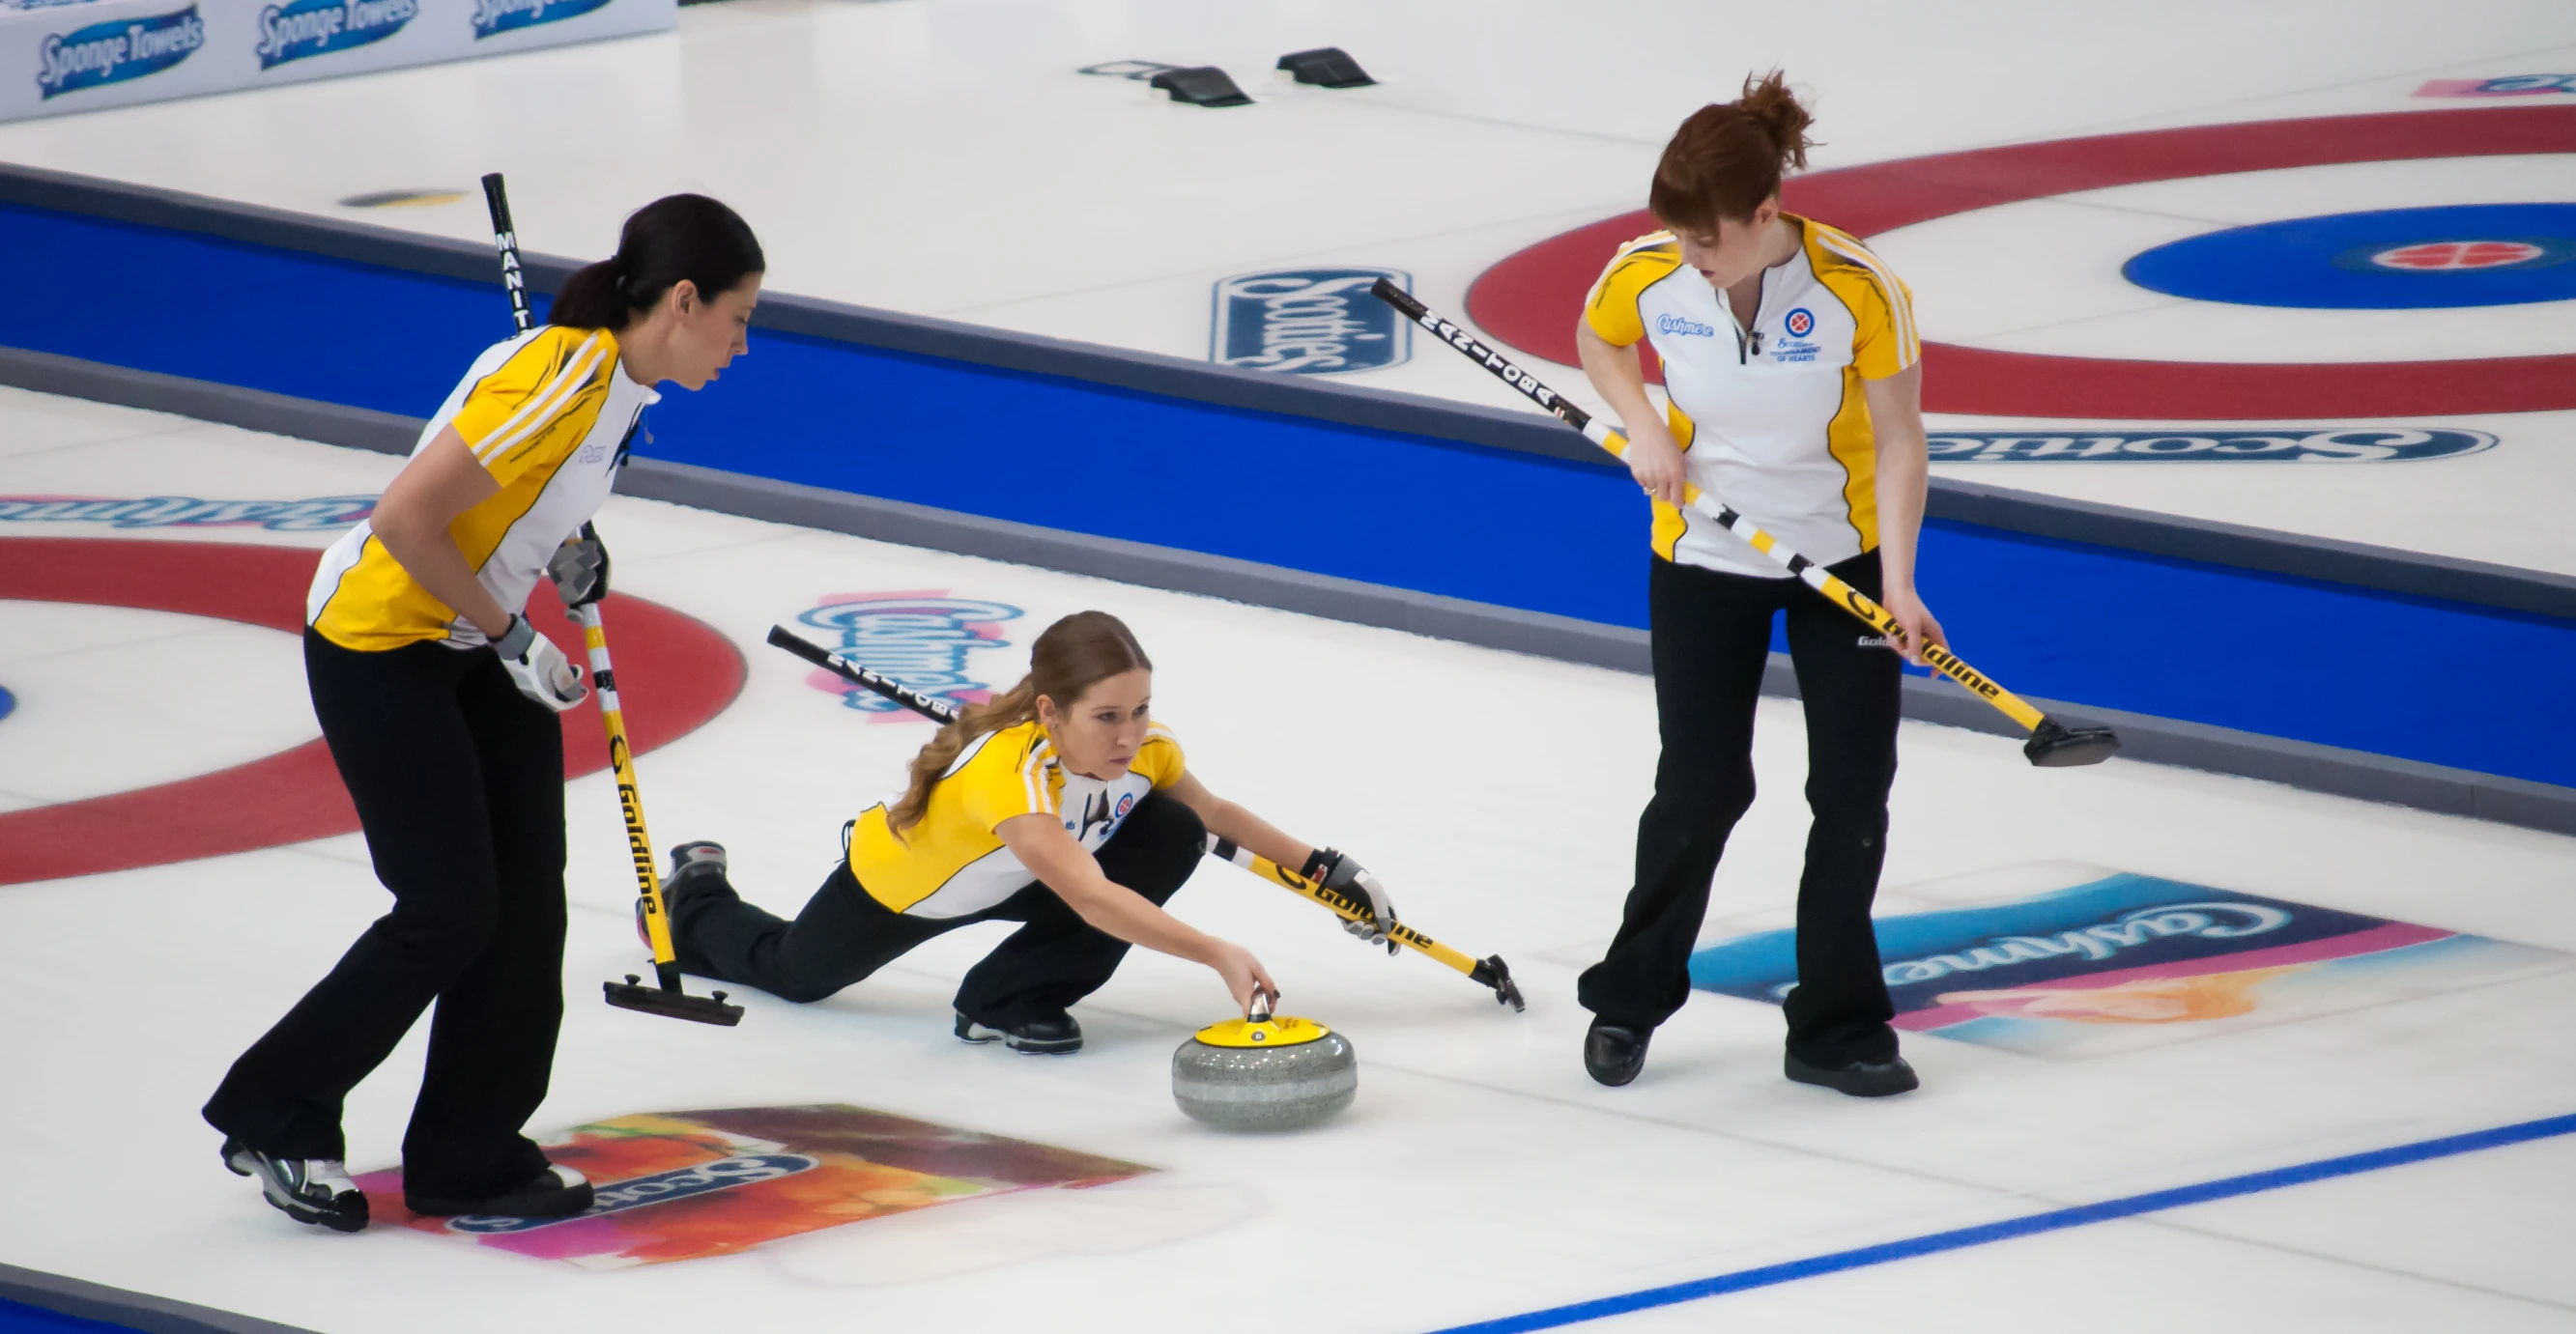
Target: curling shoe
703, 852
557, 1192
1614, 1053
308, 1190
1860, 1079
688, 856
1055, 1035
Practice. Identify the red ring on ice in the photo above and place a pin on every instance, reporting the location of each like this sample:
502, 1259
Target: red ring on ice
681, 668
1531, 299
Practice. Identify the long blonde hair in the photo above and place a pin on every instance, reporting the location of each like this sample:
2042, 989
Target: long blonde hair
1073, 655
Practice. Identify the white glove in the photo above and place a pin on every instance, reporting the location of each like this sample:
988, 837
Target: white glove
538, 668
1342, 874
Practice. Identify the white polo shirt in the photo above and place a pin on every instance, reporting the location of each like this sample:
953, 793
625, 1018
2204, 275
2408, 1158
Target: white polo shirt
1770, 415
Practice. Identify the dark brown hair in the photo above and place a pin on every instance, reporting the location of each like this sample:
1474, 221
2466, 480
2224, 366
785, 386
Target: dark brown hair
1071, 657
1729, 156
672, 238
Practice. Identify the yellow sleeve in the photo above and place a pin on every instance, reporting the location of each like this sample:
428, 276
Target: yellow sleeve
1881, 305
1006, 778
540, 404
1160, 758
1886, 345
1610, 310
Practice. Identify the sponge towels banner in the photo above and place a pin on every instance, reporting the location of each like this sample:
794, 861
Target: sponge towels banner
63, 56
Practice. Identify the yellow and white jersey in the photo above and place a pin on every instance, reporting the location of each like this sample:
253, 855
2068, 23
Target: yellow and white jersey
952, 864
1771, 414
547, 414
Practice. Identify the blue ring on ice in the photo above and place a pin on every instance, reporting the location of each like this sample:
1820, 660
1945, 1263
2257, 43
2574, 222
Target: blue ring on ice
2456, 255
8, 702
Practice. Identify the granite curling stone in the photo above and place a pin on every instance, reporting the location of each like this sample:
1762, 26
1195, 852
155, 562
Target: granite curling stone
1265, 1073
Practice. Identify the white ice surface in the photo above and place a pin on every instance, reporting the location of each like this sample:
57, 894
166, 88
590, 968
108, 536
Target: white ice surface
1481, 1173
110, 698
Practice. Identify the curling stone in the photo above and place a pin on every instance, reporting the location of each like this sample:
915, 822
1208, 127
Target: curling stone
1264, 1073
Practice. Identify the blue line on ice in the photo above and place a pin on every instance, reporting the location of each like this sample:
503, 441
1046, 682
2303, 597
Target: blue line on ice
2054, 1220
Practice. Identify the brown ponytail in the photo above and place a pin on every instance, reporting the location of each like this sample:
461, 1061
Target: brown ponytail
1073, 655
1726, 160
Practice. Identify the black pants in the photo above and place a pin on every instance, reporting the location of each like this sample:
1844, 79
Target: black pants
1711, 640
844, 933
458, 780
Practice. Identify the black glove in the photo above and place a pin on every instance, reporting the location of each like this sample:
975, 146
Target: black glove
580, 568
1343, 875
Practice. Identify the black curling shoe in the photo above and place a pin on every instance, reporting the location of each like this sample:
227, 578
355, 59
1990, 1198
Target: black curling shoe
1860, 1079
308, 1190
557, 1192
1614, 1053
696, 853
1056, 1035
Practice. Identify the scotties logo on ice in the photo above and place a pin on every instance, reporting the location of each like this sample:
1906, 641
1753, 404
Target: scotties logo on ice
2271, 444
2510, 85
659, 1188
117, 50
494, 17
1309, 321
678, 1186
277, 516
319, 27
2117, 961
919, 641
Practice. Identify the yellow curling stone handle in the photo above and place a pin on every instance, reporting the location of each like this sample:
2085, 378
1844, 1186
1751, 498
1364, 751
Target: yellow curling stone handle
1277, 1031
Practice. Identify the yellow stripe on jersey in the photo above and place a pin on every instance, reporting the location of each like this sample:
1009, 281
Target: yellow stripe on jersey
1610, 309
1670, 522
523, 421
1878, 300
1000, 776
547, 394
1883, 311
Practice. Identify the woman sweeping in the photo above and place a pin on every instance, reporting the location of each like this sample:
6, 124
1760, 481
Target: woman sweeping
1060, 805
1790, 355
438, 701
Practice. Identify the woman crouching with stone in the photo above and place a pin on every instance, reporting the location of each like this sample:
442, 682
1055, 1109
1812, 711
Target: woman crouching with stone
1060, 805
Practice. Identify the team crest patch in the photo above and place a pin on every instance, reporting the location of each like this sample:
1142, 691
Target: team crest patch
2114, 962
1800, 322
923, 641
688, 1185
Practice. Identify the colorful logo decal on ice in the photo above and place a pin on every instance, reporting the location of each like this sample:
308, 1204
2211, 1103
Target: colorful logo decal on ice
117, 50
278, 516
1309, 321
2274, 444
1679, 327
319, 27
2511, 85
660, 1188
494, 17
919, 641
2128, 960
689, 1185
